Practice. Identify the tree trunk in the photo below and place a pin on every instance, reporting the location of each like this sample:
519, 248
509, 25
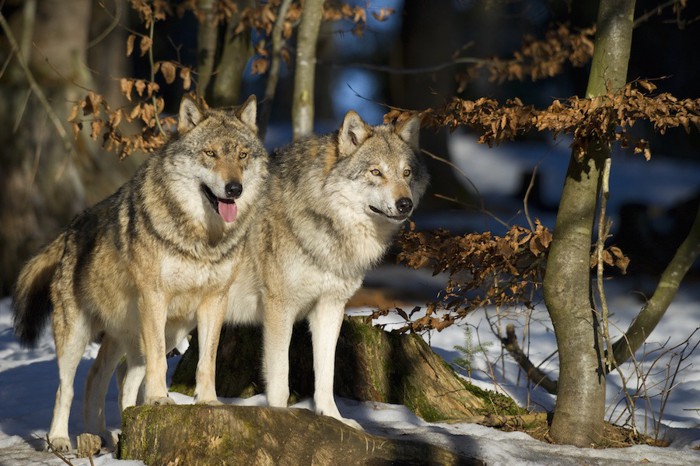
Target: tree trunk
304, 76
236, 52
371, 365
40, 185
274, 73
207, 32
203, 435
580, 407
417, 49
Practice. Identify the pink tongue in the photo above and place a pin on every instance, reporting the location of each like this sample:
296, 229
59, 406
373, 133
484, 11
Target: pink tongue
228, 211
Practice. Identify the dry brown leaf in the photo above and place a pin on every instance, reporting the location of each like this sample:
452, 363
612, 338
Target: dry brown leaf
125, 86
73, 113
76, 127
169, 71
115, 118
383, 14
92, 104
130, 44
260, 66
95, 128
145, 45
135, 112
152, 88
140, 86
186, 76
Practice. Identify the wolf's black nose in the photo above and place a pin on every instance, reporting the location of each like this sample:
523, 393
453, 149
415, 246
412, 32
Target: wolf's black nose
234, 189
404, 205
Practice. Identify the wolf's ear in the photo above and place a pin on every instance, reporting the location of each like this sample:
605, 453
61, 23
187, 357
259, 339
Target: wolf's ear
353, 133
190, 115
248, 112
409, 130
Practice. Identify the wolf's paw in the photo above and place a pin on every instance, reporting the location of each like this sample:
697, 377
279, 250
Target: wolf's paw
331, 410
162, 400
351, 423
59, 444
348, 422
213, 402
210, 403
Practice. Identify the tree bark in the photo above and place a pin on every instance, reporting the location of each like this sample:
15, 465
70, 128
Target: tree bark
235, 53
580, 407
304, 76
203, 435
274, 72
207, 32
579, 411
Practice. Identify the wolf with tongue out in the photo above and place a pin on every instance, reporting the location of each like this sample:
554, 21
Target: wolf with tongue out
147, 264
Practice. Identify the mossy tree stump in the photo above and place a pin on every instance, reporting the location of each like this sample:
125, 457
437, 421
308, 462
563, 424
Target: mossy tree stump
371, 365
204, 435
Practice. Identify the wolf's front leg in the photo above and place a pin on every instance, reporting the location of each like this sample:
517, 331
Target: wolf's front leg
153, 312
325, 322
277, 335
210, 318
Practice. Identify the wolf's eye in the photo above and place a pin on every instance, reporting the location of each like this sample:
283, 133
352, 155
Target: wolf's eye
375, 172
407, 172
210, 153
243, 155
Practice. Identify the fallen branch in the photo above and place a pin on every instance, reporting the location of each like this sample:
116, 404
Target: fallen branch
514, 422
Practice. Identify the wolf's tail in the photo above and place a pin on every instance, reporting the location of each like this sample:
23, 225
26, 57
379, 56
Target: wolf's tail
31, 297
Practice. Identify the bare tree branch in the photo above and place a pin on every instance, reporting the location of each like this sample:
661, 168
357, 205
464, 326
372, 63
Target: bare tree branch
25, 41
656, 11
153, 75
534, 374
666, 290
603, 230
118, 7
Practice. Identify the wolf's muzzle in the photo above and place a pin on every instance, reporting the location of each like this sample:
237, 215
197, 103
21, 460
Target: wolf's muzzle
404, 205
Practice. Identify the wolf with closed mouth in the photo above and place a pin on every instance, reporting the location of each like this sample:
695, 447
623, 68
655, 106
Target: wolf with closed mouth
163, 248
